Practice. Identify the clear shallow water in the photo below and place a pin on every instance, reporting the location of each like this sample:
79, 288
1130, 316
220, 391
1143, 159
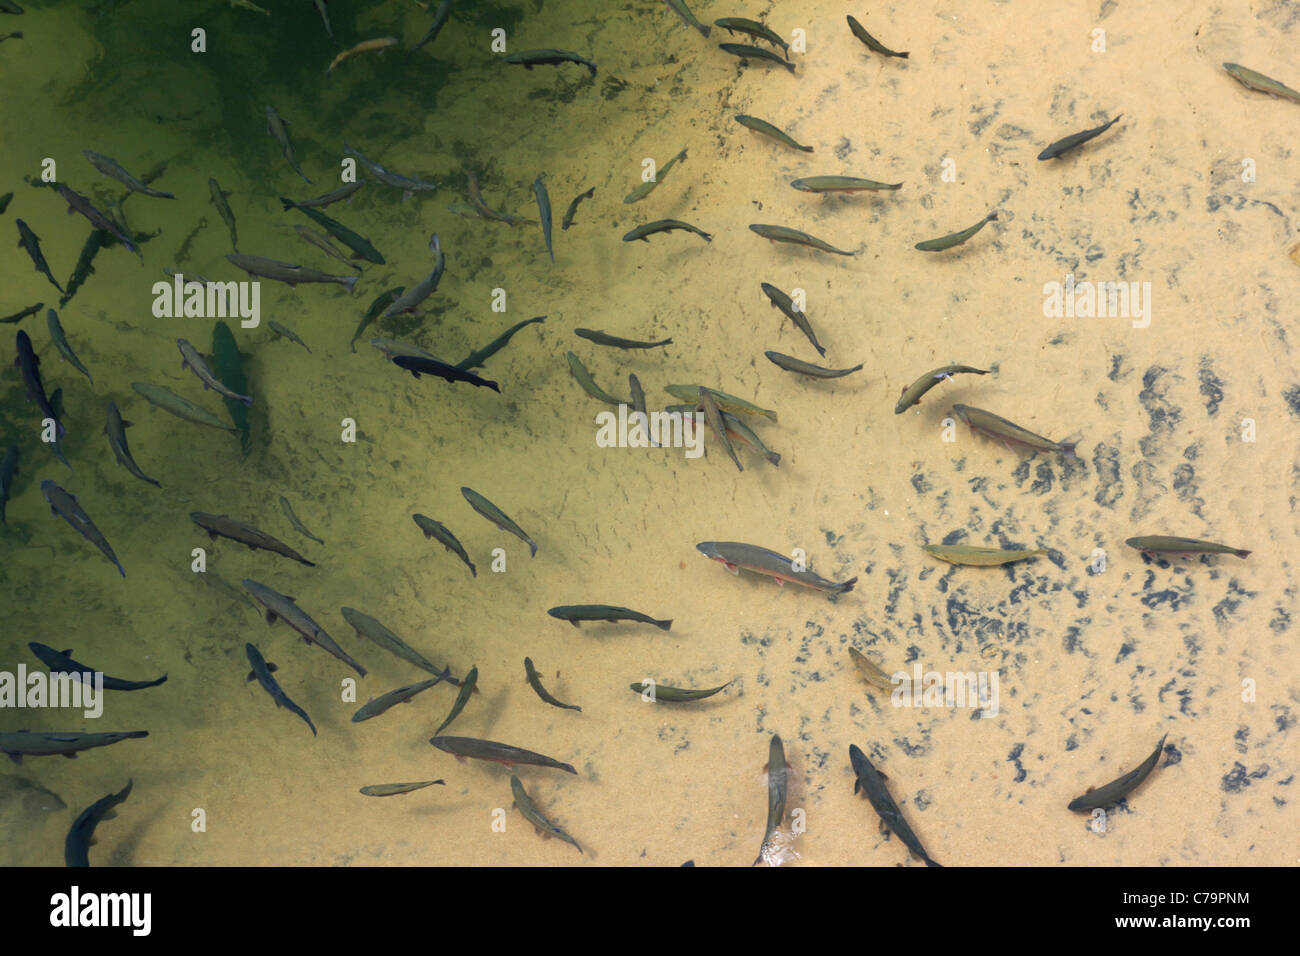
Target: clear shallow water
1093, 667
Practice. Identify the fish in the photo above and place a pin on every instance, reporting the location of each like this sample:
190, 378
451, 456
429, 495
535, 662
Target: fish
955, 238
786, 234
767, 129
778, 778
662, 693
1063, 146
191, 359
637, 400
284, 332
869, 671
534, 816
418, 365
463, 747
293, 520
28, 743
261, 672
531, 58
377, 307
393, 348
366, 626
535, 681
115, 428
248, 5
30, 242
642, 232
407, 301
403, 695
7, 197
912, 394
291, 275
544, 211
360, 245
80, 204
476, 358
466, 688
613, 341
800, 367
56, 402
392, 789
1259, 82
800, 318
682, 10
226, 527
277, 126
113, 170
728, 403
736, 428
577, 613
84, 267
1120, 787
406, 184
60, 340
440, 17
76, 846
217, 197
842, 184
872, 782
1164, 544
573, 208
587, 382
64, 505
438, 531
972, 556
498, 517
481, 207
746, 52
29, 368
754, 29
8, 468
324, 15
282, 606
713, 416
735, 556
60, 662
169, 401
647, 187
19, 316
321, 242
320, 202
1009, 433
871, 42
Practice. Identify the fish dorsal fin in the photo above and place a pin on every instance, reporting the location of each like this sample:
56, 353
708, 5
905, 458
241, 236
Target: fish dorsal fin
857, 785
271, 668
66, 652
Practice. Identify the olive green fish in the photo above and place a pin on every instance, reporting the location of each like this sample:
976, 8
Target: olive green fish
218, 198
169, 401
800, 367
647, 187
498, 517
360, 245
786, 234
1009, 433
403, 695
1119, 788
466, 688
912, 393
115, 428
379, 306
613, 341
438, 531
497, 752
800, 318
278, 128
976, 557
682, 10
284, 332
664, 225
534, 816
713, 415
573, 208
484, 211
544, 211
1164, 544
840, 184
392, 789
777, 783
368, 627
956, 238
575, 614
110, 168
587, 382
747, 52
476, 358
767, 129
871, 42
243, 533
1062, 146
1260, 83
728, 403
754, 29
60, 340
872, 674
734, 555
535, 682
662, 693
293, 520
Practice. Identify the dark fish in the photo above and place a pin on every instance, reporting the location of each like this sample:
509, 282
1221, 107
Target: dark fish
85, 263
440, 17
277, 127
800, 367
293, 520
871, 42
1062, 146
366, 626
392, 789
482, 208
682, 10
60, 662
786, 234
754, 29
577, 613
1009, 433
746, 52
531, 58
406, 184
27, 743
403, 695
320, 202
8, 468
767, 129
735, 555
713, 415
191, 359
738, 428
64, 505
4, 200
664, 225
535, 681
466, 688
262, 673
60, 340
29, 241
573, 208
677, 695
840, 184
225, 527
80, 204
113, 170
287, 333
407, 301
282, 606
463, 747
800, 318
912, 393
218, 199
636, 398
115, 428
601, 338
777, 784
534, 816
360, 245
544, 209
476, 358
29, 368
872, 782
379, 306
324, 15
498, 517
1165, 544
291, 275
1117, 789
438, 531
228, 369
418, 365
19, 316
76, 848
588, 383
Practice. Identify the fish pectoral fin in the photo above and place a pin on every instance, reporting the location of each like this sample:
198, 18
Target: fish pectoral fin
271, 617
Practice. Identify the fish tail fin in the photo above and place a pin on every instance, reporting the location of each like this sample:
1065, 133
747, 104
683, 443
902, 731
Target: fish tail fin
846, 586
1242, 554
664, 625
350, 282
1068, 448
774, 458
287, 203
930, 862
